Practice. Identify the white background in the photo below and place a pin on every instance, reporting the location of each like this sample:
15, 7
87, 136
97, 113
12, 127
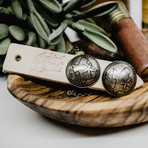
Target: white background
20, 127
136, 11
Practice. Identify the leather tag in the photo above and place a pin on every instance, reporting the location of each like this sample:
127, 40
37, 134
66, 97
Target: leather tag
45, 64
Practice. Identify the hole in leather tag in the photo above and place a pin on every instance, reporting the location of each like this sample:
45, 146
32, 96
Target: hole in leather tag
18, 58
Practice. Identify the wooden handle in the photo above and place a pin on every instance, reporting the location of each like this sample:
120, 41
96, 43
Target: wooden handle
133, 43
97, 110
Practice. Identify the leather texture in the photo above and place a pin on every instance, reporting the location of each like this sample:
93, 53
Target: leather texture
46, 64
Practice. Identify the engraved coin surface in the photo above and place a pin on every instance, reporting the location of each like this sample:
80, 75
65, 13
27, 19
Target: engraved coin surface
83, 71
119, 78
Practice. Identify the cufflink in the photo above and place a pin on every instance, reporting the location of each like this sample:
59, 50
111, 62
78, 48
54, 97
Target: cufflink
119, 78
83, 71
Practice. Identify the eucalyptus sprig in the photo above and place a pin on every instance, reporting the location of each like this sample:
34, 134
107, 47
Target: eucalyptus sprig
42, 23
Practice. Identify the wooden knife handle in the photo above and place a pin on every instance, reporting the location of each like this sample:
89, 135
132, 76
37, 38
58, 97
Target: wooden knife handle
133, 43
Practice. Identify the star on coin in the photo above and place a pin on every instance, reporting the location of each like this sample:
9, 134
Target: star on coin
83, 71
119, 78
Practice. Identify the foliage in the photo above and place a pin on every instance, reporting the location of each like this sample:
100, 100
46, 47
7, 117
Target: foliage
42, 23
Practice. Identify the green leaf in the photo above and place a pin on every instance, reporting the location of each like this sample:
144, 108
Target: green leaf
50, 21
35, 45
42, 43
91, 26
31, 38
4, 45
73, 13
47, 16
88, 3
17, 9
1, 1
51, 5
72, 5
17, 32
55, 40
40, 25
55, 36
30, 6
78, 27
60, 47
98, 10
100, 40
3, 31
6, 11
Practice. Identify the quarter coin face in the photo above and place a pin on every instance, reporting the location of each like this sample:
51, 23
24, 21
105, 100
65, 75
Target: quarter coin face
119, 78
83, 71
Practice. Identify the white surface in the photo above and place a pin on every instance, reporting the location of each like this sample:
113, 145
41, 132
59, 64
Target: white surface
136, 11
21, 127
72, 35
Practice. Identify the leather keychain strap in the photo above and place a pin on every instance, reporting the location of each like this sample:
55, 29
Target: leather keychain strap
46, 64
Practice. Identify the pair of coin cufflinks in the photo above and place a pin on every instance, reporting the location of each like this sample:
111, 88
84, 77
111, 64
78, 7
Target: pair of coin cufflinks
119, 78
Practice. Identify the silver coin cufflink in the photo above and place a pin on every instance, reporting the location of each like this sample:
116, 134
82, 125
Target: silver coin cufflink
119, 78
83, 71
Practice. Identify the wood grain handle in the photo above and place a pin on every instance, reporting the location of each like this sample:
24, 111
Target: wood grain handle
133, 43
